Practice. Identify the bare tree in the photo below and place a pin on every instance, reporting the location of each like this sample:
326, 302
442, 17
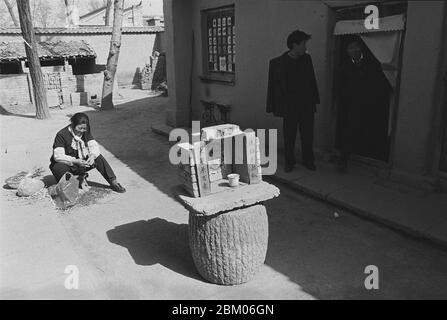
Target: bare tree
107, 17
96, 4
39, 90
10, 7
112, 60
41, 12
72, 13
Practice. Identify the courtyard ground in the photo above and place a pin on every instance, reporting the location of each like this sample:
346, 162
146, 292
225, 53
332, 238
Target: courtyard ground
135, 245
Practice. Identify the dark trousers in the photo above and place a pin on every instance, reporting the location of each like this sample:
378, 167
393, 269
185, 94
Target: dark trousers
306, 126
101, 164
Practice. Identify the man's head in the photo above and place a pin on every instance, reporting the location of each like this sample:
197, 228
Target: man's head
354, 50
296, 42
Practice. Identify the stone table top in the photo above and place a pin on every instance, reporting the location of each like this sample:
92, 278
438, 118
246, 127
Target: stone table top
230, 198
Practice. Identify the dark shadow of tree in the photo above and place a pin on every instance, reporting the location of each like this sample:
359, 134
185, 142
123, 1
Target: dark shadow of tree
5, 112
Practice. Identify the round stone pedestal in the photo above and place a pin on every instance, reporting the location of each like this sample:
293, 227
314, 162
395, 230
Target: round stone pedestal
229, 248
228, 231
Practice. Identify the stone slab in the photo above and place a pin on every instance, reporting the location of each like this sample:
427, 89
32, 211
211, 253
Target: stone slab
219, 131
227, 198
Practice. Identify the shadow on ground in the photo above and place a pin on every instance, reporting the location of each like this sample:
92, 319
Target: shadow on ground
157, 241
325, 256
5, 112
126, 133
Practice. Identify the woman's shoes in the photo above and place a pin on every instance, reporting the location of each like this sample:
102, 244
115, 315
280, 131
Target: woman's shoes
117, 187
83, 185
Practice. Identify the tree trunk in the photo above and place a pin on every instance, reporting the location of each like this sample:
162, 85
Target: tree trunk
39, 90
112, 60
71, 14
108, 7
11, 12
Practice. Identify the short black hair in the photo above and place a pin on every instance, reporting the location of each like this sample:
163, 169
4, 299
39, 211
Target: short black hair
297, 37
80, 118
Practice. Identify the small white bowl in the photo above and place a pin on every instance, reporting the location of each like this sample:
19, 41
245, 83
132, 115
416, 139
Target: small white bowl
233, 180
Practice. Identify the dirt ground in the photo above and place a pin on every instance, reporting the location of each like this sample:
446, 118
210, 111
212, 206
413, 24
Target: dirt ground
135, 245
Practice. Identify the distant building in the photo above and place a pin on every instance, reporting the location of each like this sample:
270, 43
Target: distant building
132, 17
73, 59
153, 20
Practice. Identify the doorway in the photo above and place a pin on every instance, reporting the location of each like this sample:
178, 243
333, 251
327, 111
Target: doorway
370, 105
443, 160
363, 99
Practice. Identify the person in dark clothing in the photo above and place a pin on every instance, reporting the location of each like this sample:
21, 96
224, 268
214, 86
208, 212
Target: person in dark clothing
293, 95
76, 151
364, 97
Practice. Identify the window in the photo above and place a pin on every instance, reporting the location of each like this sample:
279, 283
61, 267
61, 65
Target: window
219, 44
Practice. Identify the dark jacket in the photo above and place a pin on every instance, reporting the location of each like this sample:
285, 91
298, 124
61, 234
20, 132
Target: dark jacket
278, 95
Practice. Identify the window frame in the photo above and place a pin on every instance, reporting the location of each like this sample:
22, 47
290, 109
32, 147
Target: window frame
208, 74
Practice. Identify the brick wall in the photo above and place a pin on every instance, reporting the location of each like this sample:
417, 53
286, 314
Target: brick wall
14, 89
136, 50
91, 83
135, 53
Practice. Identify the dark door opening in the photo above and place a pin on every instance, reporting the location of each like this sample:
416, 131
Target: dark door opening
363, 96
443, 160
374, 104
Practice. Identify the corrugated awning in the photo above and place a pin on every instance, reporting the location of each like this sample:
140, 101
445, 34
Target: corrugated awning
346, 3
386, 24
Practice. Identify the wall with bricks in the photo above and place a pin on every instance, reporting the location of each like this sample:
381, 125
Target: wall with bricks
17, 88
135, 53
14, 89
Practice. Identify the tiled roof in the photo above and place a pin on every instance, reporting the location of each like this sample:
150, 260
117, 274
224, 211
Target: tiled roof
15, 50
86, 30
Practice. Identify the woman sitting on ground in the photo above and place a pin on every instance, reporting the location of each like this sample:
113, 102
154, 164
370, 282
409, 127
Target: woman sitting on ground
76, 151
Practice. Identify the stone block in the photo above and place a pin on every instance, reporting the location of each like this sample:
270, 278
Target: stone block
79, 98
226, 198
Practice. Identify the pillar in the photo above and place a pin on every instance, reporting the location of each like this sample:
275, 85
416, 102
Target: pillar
178, 32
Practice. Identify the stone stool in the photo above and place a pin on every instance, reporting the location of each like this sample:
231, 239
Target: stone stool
228, 232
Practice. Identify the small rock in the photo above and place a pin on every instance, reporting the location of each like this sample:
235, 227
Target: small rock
29, 187
336, 215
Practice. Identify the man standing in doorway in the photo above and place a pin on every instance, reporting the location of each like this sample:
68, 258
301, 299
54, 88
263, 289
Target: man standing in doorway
293, 95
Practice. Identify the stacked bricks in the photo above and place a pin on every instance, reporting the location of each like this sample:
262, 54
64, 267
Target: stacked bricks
223, 150
187, 171
146, 78
153, 74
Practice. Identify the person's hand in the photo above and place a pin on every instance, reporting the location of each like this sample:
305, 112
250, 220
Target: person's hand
90, 161
80, 162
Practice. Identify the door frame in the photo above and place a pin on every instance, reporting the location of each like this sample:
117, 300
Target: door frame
394, 102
